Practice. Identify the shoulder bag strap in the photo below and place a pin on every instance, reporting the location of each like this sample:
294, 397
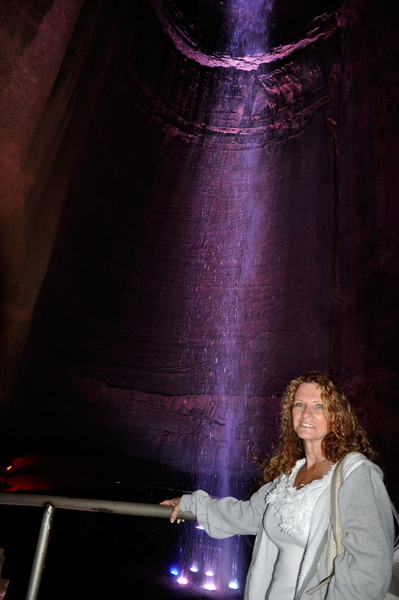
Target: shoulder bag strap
335, 546
335, 542
396, 517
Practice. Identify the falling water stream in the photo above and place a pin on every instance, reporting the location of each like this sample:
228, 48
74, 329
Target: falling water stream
233, 225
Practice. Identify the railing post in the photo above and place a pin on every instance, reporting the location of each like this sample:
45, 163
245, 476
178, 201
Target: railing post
40, 554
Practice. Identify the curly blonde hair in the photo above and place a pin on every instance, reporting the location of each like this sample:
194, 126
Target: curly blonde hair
345, 432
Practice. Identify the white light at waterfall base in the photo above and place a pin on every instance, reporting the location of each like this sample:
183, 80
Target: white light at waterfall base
194, 568
210, 586
199, 527
233, 585
182, 580
209, 573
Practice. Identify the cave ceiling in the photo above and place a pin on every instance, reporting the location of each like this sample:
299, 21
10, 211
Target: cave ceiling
208, 23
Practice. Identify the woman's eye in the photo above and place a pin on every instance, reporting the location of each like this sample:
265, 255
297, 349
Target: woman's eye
298, 404
319, 406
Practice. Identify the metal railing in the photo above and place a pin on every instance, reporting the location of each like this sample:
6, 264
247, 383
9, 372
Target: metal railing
51, 503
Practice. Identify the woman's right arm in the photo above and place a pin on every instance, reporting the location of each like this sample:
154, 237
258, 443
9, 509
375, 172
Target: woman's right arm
223, 517
175, 502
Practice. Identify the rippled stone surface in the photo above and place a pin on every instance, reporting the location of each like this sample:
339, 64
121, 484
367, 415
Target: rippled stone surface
141, 131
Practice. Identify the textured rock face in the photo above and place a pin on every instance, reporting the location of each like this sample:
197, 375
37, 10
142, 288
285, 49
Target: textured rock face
229, 223
33, 43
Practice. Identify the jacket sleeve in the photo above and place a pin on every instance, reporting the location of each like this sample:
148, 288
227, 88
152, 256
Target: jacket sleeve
228, 516
363, 571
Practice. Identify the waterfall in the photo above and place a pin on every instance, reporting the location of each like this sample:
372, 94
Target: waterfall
233, 227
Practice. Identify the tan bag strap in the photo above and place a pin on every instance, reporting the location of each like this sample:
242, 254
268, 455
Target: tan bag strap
396, 517
335, 546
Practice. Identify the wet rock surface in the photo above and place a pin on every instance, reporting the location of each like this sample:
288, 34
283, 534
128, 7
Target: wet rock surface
152, 147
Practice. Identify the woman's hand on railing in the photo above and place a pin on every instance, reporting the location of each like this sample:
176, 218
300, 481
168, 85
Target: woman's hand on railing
175, 502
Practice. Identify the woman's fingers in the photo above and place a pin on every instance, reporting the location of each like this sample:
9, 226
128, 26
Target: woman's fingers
175, 502
174, 514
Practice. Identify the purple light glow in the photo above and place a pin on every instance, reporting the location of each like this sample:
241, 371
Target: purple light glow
182, 580
231, 247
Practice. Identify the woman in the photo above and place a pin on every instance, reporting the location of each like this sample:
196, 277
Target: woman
290, 513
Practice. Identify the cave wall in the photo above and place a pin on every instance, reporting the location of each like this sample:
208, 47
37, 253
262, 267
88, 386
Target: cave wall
167, 156
44, 78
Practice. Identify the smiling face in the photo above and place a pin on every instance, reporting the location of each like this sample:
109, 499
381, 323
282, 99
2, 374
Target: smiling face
308, 418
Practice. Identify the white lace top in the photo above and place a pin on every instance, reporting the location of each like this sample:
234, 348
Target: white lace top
287, 522
293, 507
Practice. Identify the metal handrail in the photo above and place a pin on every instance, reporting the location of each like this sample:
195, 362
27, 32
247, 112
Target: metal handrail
51, 503
108, 506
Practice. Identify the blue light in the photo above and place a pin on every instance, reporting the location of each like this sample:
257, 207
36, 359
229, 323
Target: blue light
174, 571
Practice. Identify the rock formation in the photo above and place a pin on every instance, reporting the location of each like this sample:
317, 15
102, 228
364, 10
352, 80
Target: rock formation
184, 229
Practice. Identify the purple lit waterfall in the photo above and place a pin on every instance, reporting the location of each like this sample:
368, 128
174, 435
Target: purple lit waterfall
234, 224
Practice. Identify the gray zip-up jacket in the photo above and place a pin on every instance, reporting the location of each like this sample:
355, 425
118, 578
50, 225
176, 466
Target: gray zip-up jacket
362, 572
